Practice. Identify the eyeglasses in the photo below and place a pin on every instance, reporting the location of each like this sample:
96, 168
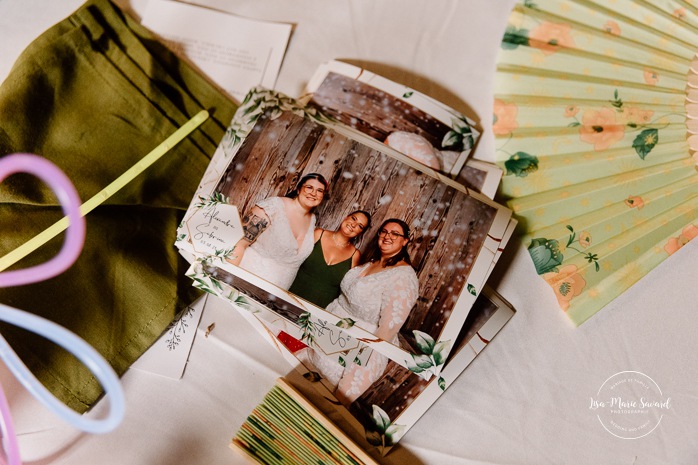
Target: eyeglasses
391, 234
308, 189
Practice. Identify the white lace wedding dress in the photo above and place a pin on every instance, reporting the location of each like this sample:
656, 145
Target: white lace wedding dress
378, 303
275, 255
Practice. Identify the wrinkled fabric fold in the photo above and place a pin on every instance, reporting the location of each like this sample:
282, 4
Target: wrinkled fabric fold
94, 94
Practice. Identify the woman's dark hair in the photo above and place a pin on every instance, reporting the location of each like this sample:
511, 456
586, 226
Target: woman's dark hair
353, 240
373, 253
318, 177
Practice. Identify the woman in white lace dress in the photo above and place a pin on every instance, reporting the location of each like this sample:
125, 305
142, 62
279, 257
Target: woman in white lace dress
278, 232
378, 296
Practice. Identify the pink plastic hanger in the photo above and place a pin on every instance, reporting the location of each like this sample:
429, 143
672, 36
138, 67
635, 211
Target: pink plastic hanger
69, 200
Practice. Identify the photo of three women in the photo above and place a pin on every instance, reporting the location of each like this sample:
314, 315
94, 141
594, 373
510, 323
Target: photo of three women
377, 289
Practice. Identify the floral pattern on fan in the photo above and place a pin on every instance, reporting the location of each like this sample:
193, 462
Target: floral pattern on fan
604, 127
567, 283
547, 253
675, 243
590, 124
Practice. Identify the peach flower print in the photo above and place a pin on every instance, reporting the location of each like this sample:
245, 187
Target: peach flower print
612, 27
571, 111
635, 201
566, 283
636, 116
504, 117
675, 243
601, 128
690, 232
549, 37
584, 239
680, 13
651, 77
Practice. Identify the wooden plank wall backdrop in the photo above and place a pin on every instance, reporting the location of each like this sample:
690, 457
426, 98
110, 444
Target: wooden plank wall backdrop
378, 114
449, 227
373, 111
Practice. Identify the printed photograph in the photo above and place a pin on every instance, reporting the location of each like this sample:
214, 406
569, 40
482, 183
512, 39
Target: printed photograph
398, 387
386, 409
383, 410
345, 227
402, 118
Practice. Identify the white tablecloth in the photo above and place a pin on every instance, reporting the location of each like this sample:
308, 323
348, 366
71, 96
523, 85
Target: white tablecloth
524, 400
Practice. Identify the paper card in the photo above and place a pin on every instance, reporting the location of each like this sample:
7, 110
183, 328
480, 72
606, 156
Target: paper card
213, 227
457, 234
410, 122
234, 52
168, 355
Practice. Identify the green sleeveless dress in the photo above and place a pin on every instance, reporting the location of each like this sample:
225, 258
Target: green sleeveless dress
318, 282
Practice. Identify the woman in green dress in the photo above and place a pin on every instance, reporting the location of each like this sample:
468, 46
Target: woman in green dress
334, 253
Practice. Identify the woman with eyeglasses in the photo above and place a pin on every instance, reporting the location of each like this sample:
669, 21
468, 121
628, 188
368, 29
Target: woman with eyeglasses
278, 232
378, 296
333, 255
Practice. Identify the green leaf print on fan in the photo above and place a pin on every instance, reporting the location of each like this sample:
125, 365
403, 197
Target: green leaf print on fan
547, 256
521, 164
549, 37
604, 127
584, 241
514, 37
645, 142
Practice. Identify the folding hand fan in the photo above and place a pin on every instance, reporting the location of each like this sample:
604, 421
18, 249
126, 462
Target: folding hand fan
593, 102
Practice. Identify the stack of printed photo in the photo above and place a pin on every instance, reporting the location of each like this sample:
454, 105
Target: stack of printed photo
353, 229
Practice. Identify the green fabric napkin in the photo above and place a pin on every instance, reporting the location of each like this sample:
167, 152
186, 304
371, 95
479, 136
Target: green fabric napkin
94, 94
